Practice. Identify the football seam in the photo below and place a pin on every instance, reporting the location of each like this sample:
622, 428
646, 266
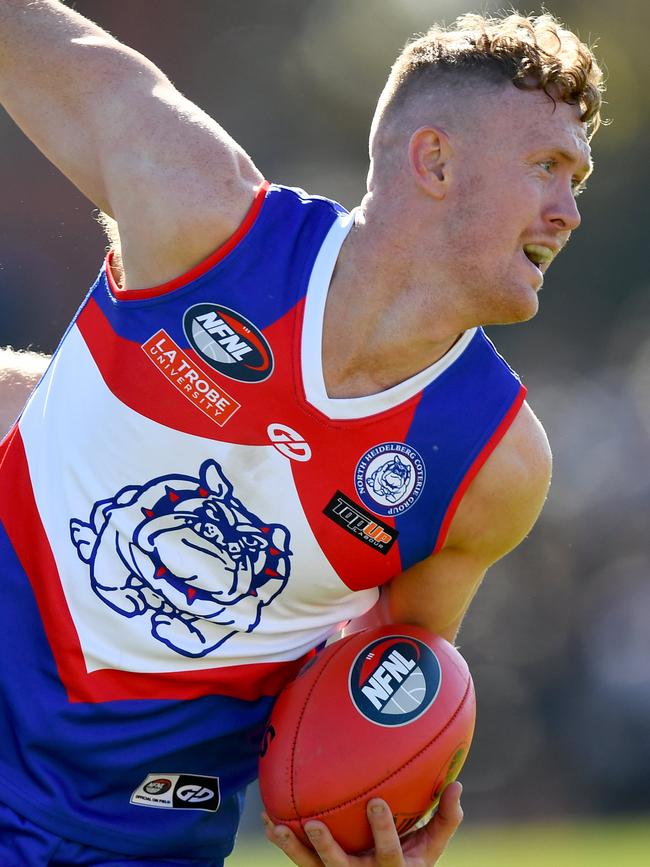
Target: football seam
413, 758
297, 732
406, 764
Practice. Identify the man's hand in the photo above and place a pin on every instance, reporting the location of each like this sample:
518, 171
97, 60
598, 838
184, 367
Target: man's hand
420, 849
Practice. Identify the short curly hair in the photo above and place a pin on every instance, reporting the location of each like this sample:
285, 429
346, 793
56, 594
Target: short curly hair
533, 52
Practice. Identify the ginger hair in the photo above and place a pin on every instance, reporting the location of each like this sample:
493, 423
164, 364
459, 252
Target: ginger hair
532, 52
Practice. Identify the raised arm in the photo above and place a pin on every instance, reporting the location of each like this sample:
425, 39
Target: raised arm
113, 123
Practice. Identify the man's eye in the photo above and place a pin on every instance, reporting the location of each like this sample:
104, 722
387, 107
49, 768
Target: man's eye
548, 165
578, 187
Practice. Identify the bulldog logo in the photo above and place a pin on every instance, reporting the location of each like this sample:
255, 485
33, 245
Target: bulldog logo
390, 479
186, 553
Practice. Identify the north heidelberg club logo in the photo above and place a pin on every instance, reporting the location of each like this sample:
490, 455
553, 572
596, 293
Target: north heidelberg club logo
394, 679
228, 342
389, 478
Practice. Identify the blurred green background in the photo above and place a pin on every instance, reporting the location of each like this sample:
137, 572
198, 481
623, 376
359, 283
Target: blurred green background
579, 844
558, 639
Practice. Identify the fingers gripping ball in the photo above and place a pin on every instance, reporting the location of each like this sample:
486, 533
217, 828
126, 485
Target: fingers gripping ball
388, 713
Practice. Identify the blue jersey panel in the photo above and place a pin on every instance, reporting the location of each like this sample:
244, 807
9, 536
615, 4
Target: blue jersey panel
79, 786
262, 278
456, 417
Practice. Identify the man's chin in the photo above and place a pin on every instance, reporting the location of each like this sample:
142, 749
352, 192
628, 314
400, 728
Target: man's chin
526, 311
516, 308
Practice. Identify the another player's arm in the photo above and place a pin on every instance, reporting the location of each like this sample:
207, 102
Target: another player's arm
495, 515
113, 123
19, 373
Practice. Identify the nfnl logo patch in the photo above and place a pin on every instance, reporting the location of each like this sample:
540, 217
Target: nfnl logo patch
359, 523
228, 342
394, 680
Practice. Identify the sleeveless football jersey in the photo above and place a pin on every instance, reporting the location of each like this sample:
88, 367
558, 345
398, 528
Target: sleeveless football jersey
185, 514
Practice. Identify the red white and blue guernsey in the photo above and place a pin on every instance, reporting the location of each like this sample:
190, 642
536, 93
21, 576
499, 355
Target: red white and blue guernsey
185, 514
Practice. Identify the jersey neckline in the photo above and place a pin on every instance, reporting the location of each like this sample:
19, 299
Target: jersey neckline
312, 343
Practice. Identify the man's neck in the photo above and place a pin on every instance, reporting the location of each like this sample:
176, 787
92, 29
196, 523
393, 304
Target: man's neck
383, 321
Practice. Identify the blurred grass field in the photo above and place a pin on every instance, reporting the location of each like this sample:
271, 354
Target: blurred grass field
581, 844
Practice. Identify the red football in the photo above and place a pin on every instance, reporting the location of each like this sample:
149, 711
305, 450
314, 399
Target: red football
387, 712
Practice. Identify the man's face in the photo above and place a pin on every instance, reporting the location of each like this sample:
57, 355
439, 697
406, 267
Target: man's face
511, 205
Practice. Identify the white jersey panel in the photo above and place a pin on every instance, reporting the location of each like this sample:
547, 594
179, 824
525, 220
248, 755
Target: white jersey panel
115, 563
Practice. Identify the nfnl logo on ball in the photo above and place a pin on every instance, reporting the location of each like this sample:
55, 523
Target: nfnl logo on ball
394, 679
228, 342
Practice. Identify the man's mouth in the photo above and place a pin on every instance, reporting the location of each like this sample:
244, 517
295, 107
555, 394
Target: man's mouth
539, 254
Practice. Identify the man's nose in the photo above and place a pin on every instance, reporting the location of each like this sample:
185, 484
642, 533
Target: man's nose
564, 213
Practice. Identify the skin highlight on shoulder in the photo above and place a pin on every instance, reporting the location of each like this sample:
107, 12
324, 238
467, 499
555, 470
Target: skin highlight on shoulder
505, 499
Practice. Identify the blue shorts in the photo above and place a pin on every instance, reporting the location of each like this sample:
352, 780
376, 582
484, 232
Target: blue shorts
23, 844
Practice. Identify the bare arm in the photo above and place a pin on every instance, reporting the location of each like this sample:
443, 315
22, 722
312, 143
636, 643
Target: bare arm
113, 123
496, 514
19, 373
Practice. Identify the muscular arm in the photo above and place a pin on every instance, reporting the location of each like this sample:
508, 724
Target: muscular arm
113, 123
496, 514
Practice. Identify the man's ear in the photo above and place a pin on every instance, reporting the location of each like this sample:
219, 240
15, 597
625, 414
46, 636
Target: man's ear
429, 156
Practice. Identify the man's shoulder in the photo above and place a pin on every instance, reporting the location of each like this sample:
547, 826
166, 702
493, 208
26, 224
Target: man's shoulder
524, 449
505, 499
